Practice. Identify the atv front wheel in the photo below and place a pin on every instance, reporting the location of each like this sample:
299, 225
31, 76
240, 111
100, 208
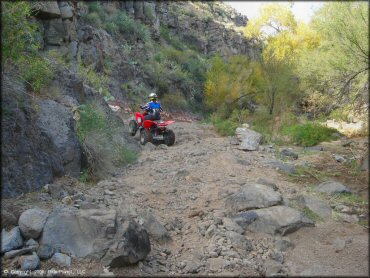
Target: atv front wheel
132, 127
145, 136
169, 137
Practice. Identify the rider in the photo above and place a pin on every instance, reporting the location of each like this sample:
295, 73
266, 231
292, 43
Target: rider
153, 108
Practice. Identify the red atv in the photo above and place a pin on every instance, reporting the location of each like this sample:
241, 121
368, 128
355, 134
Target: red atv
155, 132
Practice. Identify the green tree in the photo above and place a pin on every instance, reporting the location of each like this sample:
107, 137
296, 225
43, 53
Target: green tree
339, 66
231, 82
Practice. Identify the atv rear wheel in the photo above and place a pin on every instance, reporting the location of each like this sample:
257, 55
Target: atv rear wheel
145, 136
132, 127
169, 137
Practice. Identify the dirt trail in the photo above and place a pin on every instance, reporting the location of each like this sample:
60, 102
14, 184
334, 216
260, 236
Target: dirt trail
185, 186
189, 182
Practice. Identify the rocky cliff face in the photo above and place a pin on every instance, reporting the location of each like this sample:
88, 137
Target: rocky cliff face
39, 136
212, 27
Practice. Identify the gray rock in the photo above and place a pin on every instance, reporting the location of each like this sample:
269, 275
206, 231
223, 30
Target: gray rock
314, 148
47, 10
339, 158
332, 187
243, 219
19, 252
45, 251
272, 268
11, 240
365, 162
249, 139
57, 122
253, 196
317, 206
216, 264
238, 241
31, 222
230, 225
268, 183
130, 245
32, 242
349, 218
283, 244
211, 231
277, 256
289, 153
81, 232
154, 227
61, 260
279, 220
66, 10
284, 167
339, 244
8, 218
39, 160
192, 267
31, 262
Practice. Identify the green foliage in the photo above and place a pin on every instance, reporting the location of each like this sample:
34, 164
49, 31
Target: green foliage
93, 19
233, 82
224, 127
92, 118
311, 215
171, 38
174, 101
99, 81
130, 28
126, 156
310, 134
20, 43
339, 65
98, 135
18, 33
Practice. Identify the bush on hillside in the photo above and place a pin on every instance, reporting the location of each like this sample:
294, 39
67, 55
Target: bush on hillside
310, 134
97, 133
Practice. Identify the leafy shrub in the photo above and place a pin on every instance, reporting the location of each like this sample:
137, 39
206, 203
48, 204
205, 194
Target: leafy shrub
171, 38
174, 101
20, 44
93, 19
98, 135
125, 156
224, 127
133, 30
97, 81
310, 134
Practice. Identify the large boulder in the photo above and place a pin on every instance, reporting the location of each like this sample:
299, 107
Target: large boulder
57, 122
279, 220
249, 139
282, 166
31, 262
130, 245
11, 240
66, 9
46, 9
253, 196
97, 234
332, 187
29, 158
239, 241
154, 227
317, 206
79, 231
31, 222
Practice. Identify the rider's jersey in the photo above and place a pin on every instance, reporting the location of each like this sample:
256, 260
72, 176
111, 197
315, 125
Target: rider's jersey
152, 107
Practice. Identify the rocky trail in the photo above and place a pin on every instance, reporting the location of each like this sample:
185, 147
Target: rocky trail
209, 209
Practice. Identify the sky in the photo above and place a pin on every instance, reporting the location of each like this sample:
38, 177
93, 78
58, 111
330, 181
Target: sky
303, 10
